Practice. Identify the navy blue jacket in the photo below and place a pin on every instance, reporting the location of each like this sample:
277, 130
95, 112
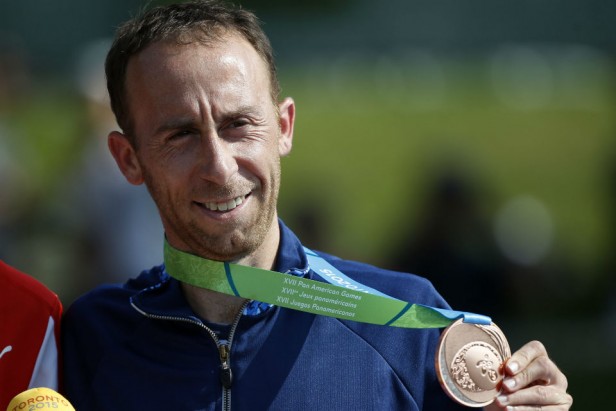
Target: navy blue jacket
140, 347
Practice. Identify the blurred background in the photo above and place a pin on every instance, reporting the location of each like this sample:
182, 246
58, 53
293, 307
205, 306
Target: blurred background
472, 142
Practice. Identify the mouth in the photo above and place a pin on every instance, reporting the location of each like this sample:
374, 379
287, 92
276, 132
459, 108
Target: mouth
224, 206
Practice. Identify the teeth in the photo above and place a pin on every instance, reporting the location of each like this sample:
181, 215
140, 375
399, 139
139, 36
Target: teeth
226, 206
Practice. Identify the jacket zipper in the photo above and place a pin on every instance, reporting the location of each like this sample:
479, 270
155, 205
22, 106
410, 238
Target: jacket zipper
224, 351
223, 346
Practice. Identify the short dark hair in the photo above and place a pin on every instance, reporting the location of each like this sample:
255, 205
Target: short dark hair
196, 21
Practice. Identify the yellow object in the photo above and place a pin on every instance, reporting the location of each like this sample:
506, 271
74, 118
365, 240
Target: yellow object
39, 399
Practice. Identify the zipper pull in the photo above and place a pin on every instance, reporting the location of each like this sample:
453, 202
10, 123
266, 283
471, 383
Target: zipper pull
226, 376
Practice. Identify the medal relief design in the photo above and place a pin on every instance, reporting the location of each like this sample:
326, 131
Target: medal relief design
475, 367
469, 362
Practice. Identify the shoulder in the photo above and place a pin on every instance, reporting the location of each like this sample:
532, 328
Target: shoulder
96, 321
405, 286
413, 367
111, 300
22, 290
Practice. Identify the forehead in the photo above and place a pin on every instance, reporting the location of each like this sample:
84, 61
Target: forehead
231, 54
167, 76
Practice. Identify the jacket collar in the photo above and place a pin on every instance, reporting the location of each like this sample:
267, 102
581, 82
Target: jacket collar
291, 257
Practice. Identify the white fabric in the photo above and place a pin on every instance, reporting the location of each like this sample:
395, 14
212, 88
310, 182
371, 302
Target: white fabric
45, 372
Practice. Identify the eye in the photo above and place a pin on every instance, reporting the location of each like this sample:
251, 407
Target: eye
237, 123
180, 134
236, 127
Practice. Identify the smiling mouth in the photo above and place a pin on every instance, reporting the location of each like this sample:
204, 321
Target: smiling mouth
225, 205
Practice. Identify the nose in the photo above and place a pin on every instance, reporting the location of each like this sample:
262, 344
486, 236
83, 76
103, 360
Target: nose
218, 161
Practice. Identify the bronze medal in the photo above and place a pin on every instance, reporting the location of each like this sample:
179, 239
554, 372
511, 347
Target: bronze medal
469, 362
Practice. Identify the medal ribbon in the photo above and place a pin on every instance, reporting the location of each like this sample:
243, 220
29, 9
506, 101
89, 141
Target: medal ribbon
341, 297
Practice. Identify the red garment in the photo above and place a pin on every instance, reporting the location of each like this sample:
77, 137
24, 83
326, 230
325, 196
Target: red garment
29, 334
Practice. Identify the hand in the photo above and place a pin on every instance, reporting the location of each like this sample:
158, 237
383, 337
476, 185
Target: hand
532, 382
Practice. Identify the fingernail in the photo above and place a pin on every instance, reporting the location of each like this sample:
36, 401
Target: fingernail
502, 399
509, 383
513, 367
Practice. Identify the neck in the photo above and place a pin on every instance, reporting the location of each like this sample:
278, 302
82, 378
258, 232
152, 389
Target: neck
221, 308
212, 306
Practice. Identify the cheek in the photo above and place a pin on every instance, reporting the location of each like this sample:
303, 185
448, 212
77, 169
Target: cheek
263, 161
163, 178
173, 163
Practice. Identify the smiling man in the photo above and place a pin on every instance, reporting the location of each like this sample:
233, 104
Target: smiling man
194, 89
207, 141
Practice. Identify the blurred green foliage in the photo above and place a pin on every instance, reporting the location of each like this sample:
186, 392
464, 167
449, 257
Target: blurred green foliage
366, 155
48, 131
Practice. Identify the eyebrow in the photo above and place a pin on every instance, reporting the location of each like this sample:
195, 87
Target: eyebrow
245, 110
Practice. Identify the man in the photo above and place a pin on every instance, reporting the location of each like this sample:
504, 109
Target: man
29, 331
194, 89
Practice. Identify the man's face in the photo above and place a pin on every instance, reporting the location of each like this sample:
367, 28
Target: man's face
208, 144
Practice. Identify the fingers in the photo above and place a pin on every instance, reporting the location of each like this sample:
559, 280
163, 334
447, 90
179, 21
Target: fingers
530, 365
524, 356
533, 382
544, 398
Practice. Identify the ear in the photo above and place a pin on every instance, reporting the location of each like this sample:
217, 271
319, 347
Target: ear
286, 120
124, 154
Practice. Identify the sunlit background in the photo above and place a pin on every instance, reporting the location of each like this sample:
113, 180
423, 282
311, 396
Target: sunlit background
472, 142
